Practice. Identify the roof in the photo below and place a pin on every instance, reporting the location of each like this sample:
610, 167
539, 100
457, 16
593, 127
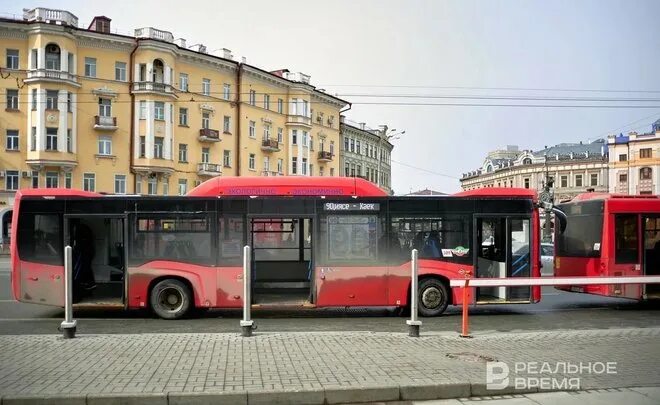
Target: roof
287, 186
564, 150
425, 192
499, 192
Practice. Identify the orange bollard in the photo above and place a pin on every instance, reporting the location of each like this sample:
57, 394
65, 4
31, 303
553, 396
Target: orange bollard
465, 323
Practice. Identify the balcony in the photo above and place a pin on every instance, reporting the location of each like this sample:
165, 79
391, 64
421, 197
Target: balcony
270, 145
105, 123
155, 88
51, 16
153, 33
209, 135
209, 169
54, 76
325, 156
269, 173
299, 120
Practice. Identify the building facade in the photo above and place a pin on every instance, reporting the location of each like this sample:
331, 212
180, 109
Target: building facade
366, 153
635, 162
573, 168
147, 114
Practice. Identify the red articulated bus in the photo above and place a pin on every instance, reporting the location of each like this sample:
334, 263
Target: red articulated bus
316, 242
607, 235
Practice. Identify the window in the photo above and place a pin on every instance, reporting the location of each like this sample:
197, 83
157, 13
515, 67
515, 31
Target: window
280, 106
33, 139
279, 135
347, 169
311, 143
67, 180
158, 147
51, 99
183, 153
143, 146
304, 166
166, 187
205, 155
332, 148
120, 184
294, 165
69, 101
280, 166
346, 143
183, 82
294, 136
52, 57
52, 179
526, 182
623, 178
623, 157
12, 58
51, 138
89, 182
143, 109
11, 180
180, 237
12, 99
226, 158
266, 131
563, 181
226, 91
34, 99
253, 97
351, 237
159, 110
252, 129
183, 186
578, 180
183, 117
152, 185
311, 170
206, 120
226, 124
40, 238
105, 107
138, 184
120, 71
71, 63
105, 145
645, 153
593, 179
305, 108
645, 173
12, 139
626, 239
304, 138
206, 87
90, 67
266, 163
267, 101
321, 171
584, 226
251, 163
35, 179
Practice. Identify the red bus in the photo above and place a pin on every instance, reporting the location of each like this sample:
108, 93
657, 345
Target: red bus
606, 235
316, 242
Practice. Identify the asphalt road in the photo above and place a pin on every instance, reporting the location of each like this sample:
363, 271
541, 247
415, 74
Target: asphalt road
557, 310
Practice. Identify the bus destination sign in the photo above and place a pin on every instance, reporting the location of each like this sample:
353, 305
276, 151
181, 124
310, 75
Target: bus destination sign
352, 206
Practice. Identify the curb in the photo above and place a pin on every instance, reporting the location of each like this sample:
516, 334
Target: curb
328, 395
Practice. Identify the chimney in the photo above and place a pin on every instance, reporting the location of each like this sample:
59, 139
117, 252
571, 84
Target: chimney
180, 42
100, 23
362, 125
226, 53
243, 59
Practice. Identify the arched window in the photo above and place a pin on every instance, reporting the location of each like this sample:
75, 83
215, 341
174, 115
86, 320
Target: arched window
158, 71
53, 57
527, 161
645, 173
489, 168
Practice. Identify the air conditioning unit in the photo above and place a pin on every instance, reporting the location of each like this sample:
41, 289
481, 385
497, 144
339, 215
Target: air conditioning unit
2, 174
26, 174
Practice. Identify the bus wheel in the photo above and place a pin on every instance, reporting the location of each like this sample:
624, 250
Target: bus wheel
170, 299
433, 297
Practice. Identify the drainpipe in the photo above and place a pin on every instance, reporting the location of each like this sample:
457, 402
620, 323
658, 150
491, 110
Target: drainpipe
131, 73
239, 76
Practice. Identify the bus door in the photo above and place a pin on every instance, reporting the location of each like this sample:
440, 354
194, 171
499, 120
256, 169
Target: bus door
503, 250
98, 258
651, 253
627, 256
281, 260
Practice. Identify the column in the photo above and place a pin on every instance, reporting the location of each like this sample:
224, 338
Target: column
149, 135
74, 71
136, 72
28, 130
64, 60
307, 155
74, 123
41, 121
41, 60
166, 74
167, 146
63, 124
136, 130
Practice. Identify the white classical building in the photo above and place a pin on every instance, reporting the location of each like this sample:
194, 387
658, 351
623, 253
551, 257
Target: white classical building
635, 162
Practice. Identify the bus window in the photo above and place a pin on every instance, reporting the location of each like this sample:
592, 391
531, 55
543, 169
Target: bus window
179, 238
446, 238
353, 238
584, 227
626, 239
230, 230
40, 238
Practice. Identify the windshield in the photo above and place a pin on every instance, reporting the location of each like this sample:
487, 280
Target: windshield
584, 226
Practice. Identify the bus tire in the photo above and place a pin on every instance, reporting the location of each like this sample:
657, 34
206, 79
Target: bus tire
433, 297
171, 299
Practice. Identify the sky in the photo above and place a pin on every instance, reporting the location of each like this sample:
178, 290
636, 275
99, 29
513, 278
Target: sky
436, 48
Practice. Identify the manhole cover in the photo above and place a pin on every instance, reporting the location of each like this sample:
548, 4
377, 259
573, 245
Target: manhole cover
474, 357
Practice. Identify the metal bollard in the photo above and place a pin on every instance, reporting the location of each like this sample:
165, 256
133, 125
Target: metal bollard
413, 323
247, 324
465, 321
68, 326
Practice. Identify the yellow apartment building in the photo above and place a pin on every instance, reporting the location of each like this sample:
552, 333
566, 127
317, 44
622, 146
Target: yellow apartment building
634, 161
147, 114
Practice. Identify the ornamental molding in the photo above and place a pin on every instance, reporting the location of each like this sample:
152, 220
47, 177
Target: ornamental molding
105, 92
14, 33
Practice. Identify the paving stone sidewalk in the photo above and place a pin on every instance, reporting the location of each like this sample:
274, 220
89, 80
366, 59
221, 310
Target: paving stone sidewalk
167, 365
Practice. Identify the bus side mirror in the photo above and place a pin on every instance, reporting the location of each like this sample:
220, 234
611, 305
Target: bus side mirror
561, 216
